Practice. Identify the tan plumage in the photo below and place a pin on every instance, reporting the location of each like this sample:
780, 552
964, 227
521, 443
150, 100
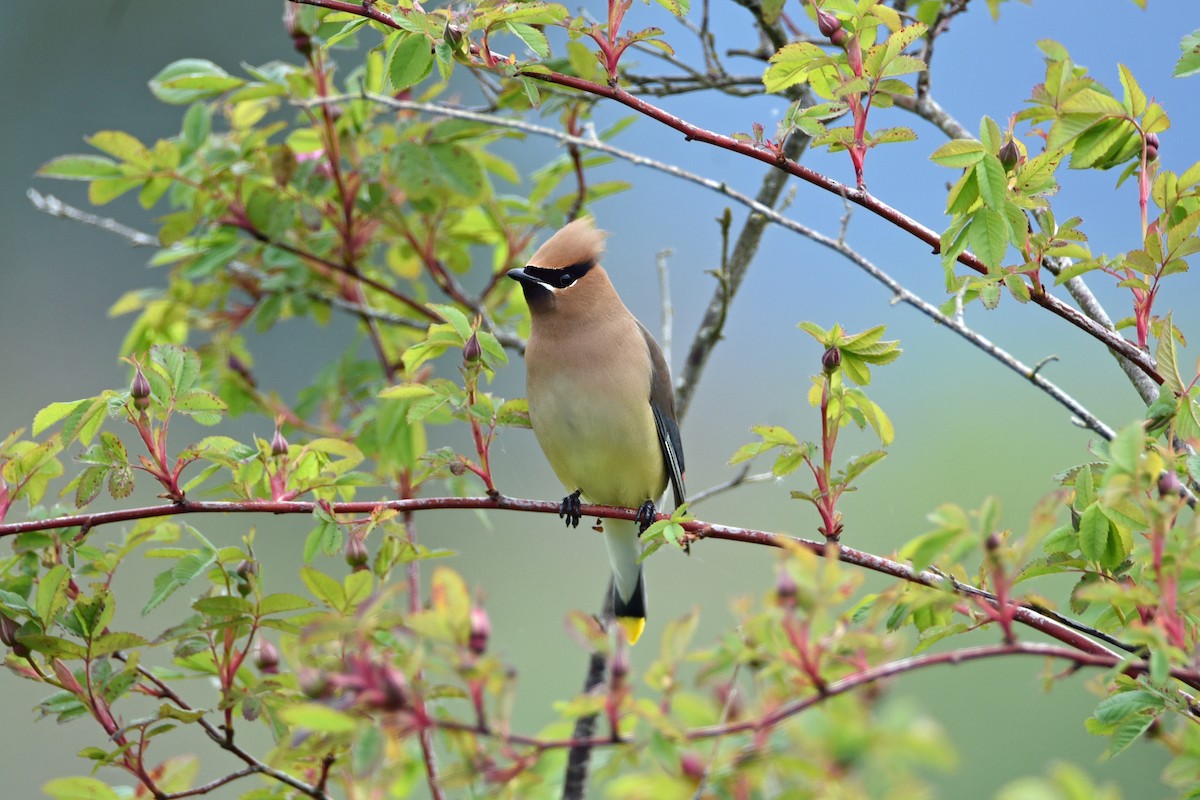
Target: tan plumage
600, 399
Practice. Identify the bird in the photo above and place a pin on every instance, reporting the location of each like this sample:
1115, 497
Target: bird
600, 402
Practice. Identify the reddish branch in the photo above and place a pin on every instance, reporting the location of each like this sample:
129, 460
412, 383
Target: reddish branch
858, 196
852, 682
1027, 614
869, 675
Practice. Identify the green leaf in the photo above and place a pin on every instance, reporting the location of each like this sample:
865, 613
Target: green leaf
324, 588
319, 718
223, 605
958, 153
1189, 63
1164, 354
1119, 706
282, 601
79, 788
80, 168
533, 38
1098, 541
993, 183
52, 594
989, 236
121, 145
88, 485
410, 61
191, 79
1126, 448
112, 642
791, 65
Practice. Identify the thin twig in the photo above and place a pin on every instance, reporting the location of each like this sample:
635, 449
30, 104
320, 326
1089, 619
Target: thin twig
871, 675
224, 739
747, 244
743, 477
664, 294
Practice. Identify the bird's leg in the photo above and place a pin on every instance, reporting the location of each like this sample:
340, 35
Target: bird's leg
570, 509
645, 516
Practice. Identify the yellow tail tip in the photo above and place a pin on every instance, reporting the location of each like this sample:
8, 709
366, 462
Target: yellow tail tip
633, 626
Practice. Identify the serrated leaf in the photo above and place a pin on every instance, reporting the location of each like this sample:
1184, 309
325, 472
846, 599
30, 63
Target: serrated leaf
190, 79
410, 62
79, 788
324, 588
989, 236
80, 168
318, 718
958, 153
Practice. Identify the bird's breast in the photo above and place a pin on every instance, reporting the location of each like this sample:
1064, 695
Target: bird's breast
591, 414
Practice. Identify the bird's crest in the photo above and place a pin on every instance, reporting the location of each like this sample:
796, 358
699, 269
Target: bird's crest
577, 242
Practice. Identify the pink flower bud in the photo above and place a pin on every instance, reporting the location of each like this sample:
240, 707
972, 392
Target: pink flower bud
279, 445
831, 359
831, 27
139, 390
692, 766
471, 350
1169, 484
481, 628
1009, 154
356, 553
266, 657
785, 590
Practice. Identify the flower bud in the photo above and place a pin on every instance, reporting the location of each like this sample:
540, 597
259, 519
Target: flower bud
247, 568
394, 689
266, 657
692, 766
291, 23
1151, 146
1009, 154
471, 350
139, 390
481, 628
830, 27
8, 636
279, 445
458, 469
314, 683
785, 590
1169, 484
356, 553
831, 359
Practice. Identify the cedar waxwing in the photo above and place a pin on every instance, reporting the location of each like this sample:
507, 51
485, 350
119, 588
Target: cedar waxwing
600, 401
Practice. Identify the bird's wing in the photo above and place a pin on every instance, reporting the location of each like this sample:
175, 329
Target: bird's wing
662, 403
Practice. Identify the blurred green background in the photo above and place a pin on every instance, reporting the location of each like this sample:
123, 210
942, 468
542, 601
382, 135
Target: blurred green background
966, 428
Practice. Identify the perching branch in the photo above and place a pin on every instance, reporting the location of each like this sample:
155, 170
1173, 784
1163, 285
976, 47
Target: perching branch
1066, 631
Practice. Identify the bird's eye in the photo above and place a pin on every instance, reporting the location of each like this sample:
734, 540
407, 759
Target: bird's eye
565, 280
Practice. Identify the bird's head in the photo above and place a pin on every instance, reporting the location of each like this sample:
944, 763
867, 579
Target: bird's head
565, 271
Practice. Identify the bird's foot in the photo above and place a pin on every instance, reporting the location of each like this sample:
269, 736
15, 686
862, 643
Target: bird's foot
570, 509
645, 516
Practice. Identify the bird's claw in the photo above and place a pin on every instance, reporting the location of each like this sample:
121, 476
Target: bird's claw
570, 509
645, 516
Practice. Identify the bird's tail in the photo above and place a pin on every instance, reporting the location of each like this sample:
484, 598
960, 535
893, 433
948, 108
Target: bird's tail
629, 585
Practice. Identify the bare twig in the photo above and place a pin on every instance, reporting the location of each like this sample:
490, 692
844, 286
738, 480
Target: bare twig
664, 293
223, 739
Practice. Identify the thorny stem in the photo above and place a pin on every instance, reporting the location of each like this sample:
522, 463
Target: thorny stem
1065, 630
859, 195
869, 675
